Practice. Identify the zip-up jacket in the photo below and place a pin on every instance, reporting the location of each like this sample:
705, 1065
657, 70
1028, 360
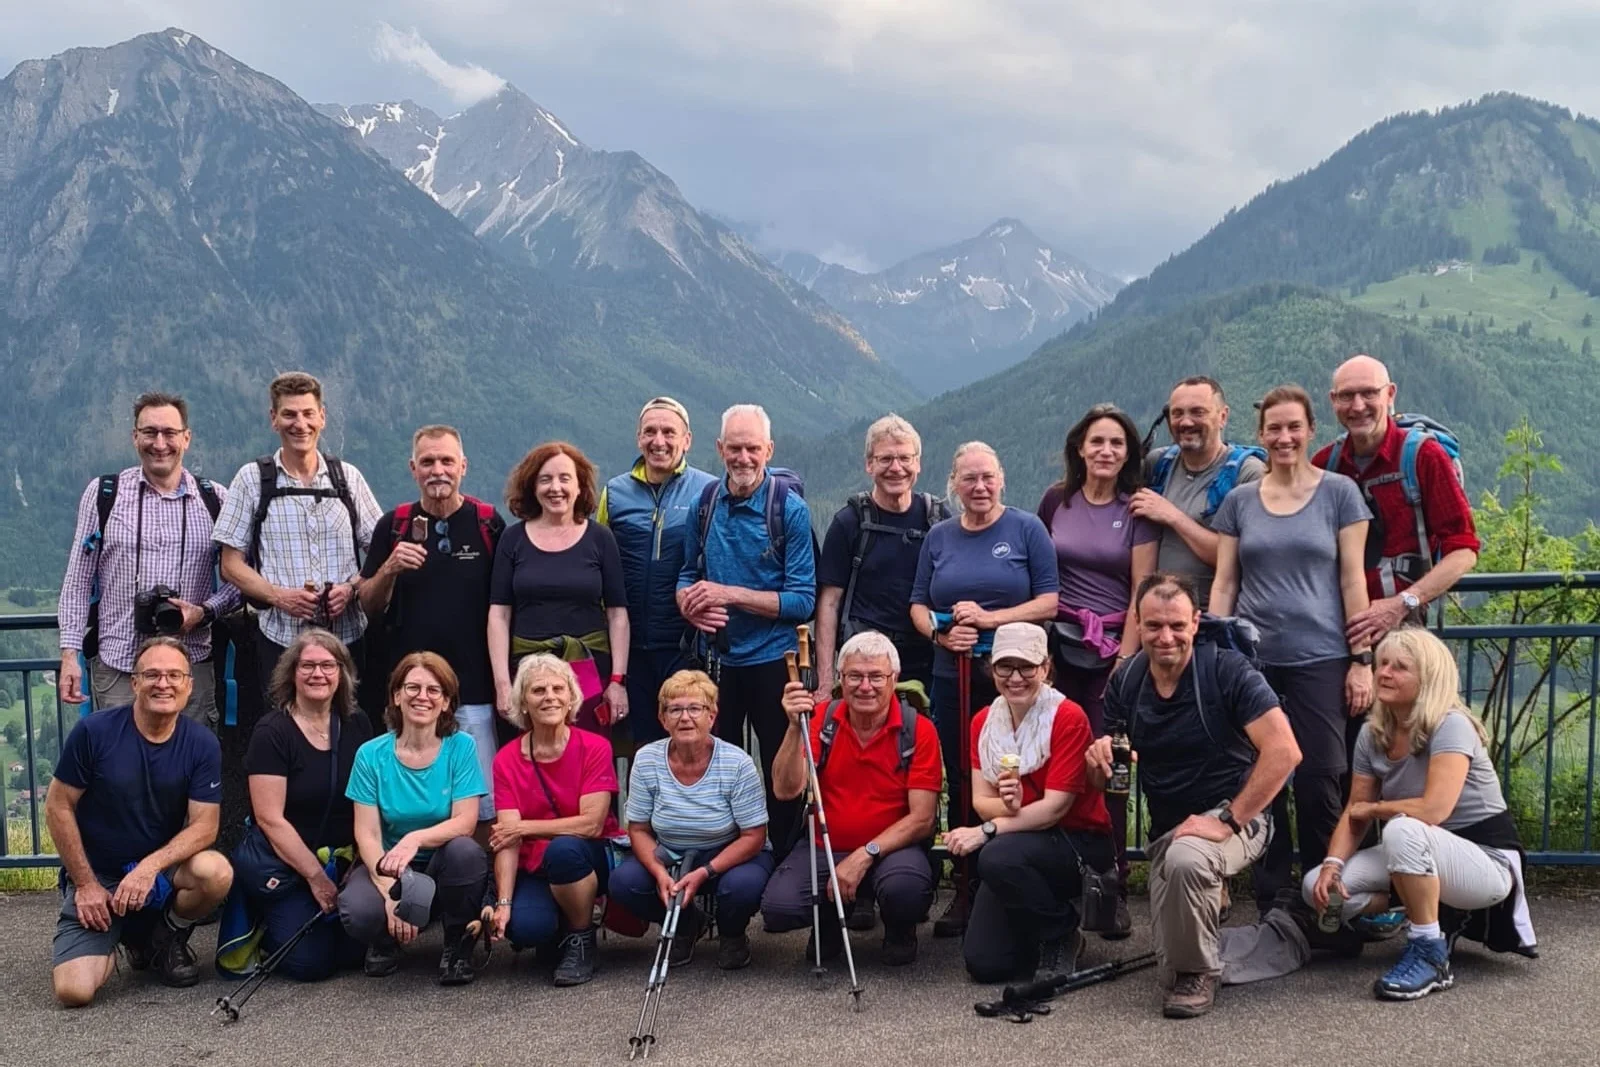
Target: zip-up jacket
653, 525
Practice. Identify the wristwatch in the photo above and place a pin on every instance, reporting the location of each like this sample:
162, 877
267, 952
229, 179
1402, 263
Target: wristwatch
503, 902
1363, 659
620, 679
208, 615
1225, 816
1411, 600
989, 829
874, 853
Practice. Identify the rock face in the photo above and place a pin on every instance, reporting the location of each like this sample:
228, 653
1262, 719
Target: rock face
953, 315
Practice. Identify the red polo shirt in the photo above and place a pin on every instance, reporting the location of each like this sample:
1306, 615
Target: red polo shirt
863, 788
1063, 769
1445, 510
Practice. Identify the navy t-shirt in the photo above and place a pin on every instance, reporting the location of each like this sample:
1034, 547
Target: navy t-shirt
136, 794
555, 593
882, 599
1007, 563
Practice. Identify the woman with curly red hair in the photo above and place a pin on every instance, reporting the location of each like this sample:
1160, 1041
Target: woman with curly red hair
557, 585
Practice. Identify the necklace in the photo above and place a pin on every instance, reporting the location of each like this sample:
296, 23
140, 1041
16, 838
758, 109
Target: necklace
306, 726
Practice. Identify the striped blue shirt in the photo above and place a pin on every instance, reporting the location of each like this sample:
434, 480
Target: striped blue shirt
726, 800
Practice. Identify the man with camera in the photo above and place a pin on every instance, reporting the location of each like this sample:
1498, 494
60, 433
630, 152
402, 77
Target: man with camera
142, 563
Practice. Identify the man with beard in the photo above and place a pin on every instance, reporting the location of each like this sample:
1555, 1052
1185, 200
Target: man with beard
745, 597
427, 577
1186, 481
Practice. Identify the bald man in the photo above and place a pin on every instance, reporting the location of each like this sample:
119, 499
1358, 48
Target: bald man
1403, 577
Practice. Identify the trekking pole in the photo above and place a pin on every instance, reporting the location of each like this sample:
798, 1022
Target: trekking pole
817, 824
962, 786
644, 1034
230, 1005
1019, 1004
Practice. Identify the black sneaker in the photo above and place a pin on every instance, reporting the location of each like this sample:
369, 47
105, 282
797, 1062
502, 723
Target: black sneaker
577, 958
953, 923
455, 963
733, 952
860, 916
1122, 929
381, 960
171, 955
1058, 957
899, 944
832, 941
691, 924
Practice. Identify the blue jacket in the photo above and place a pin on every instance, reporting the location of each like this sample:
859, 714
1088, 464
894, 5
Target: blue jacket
739, 552
652, 525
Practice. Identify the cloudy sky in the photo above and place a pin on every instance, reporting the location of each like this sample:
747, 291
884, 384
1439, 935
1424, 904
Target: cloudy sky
868, 130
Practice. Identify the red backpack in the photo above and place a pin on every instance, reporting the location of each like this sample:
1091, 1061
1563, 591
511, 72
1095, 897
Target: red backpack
398, 527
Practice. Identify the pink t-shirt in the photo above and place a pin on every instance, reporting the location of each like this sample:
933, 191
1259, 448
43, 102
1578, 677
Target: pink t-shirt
585, 767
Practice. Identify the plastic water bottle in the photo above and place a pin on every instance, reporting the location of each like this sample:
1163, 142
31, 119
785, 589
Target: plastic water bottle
1332, 916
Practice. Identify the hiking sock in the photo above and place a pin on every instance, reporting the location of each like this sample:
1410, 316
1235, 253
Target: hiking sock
178, 922
1421, 931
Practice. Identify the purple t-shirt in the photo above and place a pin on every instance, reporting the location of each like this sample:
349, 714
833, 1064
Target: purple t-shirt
1094, 550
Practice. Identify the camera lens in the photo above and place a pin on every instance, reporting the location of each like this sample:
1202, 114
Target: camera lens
168, 617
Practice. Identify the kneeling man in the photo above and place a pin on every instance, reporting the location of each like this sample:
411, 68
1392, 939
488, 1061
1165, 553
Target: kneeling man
879, 768
133, 807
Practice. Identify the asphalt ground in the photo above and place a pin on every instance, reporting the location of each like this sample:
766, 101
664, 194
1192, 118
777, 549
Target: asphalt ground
1504, 1010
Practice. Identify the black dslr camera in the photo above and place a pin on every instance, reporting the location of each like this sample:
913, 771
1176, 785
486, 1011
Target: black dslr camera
155, 613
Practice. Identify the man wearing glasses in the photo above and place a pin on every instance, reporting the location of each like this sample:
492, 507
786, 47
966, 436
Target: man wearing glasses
426, 584
133, 809
879, 768
142, 562
1403, 575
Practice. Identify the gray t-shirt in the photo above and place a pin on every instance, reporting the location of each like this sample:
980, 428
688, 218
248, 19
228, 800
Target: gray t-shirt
1405, 778
1187, 490
1289, 569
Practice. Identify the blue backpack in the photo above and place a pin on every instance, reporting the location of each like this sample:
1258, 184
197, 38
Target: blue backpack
1221, 485
784, 482
1420, 429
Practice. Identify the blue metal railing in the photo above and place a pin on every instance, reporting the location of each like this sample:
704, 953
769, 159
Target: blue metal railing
1543, 733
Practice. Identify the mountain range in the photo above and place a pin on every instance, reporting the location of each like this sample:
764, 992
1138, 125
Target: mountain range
171, 218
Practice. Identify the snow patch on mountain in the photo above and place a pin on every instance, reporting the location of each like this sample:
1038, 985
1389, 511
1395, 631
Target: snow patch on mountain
111, 102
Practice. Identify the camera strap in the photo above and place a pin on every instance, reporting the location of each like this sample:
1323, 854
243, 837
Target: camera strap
138, 538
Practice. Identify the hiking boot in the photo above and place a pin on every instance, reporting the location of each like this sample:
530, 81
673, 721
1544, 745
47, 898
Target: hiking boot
1192, 996
455, 963
953, 923
832, 941
381, 960
1122, 927
1058, 957
577, 958
733, 952
1379, 927
691, 923
1424, 968
860, 916
171, 955
899, 944
138, 953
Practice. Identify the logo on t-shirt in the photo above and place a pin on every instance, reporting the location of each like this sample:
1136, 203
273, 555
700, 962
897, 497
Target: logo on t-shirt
1117, 525
1001, 550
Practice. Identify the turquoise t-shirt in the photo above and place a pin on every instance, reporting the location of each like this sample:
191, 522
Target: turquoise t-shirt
409, 799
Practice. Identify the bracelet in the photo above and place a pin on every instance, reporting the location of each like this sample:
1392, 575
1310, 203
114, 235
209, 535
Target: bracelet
1335, 861
619, 679
502, 903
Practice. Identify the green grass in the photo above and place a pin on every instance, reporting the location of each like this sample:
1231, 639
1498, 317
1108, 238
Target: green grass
26, 879
1486, 221
1509, 293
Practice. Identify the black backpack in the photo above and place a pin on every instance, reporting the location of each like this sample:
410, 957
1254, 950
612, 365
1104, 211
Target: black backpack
867, 518
267, 472
907, 739
105, 499
1214, 634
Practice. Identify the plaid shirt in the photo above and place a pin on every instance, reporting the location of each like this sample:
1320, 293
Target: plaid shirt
303, 539
1445, 510
176, 551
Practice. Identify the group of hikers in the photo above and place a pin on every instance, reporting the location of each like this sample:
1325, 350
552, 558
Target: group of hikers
446, 697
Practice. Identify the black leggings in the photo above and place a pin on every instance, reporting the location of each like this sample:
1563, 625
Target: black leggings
1028, 890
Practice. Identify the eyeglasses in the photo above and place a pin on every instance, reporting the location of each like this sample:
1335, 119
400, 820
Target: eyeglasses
1010, 670
905, 459
1346, 397
416, 689
170, 677
151, 434
876, 679
317, 667
686, 711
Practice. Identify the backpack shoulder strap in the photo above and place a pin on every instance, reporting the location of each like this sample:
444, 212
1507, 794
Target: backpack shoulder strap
398, 526
777, 502
1228, 476
210, 497
1335, 451
861, 504
1163, 468
1415, 438
485, 512
1128, 683
267, 477
105, 499
937, 509
830, 730
702, 518
341, 488
908, 735
1208, 697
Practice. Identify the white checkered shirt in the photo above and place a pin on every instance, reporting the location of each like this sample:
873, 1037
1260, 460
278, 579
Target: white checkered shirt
303, 539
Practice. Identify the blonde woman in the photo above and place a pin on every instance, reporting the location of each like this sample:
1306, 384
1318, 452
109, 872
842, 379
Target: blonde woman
1422, 769
552, 795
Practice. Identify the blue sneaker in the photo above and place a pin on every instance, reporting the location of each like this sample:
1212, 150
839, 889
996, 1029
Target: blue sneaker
1379, 927
1425, 967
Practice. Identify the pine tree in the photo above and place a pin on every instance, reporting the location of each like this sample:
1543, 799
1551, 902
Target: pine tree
1588, 319
1588, 349
1553, 292
1422, 302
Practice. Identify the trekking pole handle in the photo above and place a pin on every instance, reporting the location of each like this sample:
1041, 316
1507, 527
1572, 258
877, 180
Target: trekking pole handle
792, 662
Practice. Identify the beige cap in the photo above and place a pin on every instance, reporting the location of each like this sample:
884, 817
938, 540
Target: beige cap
1020, 640
665, 403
